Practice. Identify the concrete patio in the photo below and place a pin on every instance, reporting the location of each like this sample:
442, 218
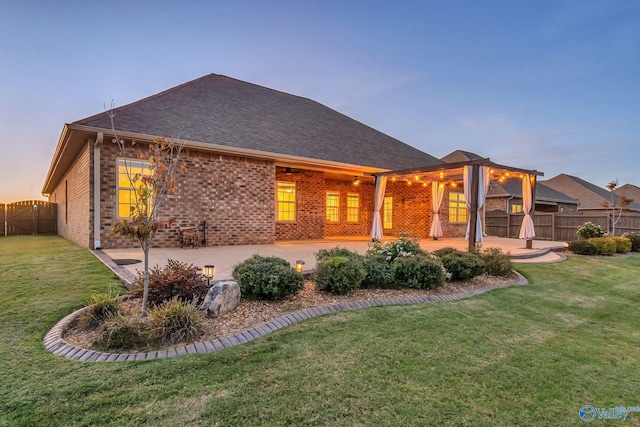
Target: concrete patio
226, 257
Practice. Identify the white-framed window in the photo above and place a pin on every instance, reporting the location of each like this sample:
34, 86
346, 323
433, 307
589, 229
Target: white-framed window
129, 173
387, 212
457, 208
353, 207
516, 207
332, 206
286, 201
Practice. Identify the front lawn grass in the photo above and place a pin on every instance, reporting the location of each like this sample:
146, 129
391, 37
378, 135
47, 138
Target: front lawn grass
529, 355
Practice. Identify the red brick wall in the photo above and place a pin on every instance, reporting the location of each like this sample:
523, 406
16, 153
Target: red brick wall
309, 223
72, 195
411, 208
450, 229
366, 190
235, 195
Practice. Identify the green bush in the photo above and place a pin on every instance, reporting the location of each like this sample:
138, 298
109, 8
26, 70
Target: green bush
635, 240
423, 272
175, 321
99, 307
496, 262
269, 278
402, 247
606, 245
583, 247
445, 251
380, 274
176, 279
339, 275
589, 230
463, 265
325, 254
120, 333
623, 245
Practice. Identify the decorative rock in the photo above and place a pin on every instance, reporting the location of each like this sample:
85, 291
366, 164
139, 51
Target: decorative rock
223, 296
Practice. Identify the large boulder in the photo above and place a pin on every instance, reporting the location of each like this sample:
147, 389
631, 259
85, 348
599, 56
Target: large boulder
223, 296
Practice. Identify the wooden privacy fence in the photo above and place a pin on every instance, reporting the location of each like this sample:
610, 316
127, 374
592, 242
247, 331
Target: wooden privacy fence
28, 217
559, 226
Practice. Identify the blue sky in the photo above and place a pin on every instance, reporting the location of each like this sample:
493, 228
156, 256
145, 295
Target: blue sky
547, 85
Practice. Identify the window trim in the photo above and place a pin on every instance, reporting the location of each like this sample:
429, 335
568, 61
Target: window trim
119, 188
294, 203
461, 205
357, 208
336, 207
386, 220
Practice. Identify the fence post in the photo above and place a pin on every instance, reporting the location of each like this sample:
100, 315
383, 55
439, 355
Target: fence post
553, 226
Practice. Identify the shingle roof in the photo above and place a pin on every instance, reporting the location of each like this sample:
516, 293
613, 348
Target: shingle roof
513, 187
629, 191
460, 156
590, 195
221, 110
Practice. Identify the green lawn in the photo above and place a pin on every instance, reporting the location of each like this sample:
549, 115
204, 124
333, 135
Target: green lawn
529, 355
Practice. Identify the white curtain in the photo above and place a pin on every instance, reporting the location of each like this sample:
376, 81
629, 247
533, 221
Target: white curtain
437, 192
527, 230
483, 186
376, 229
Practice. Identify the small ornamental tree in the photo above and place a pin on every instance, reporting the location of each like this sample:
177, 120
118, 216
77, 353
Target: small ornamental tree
149, 192
614, 211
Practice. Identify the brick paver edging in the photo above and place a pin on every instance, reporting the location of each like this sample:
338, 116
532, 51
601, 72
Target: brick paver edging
55, 343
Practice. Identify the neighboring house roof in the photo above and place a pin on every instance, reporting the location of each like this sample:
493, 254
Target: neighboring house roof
629, 191
513, 188
460, 156
220, 110
591, 196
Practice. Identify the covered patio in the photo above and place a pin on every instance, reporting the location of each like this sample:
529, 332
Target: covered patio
226, 257
474, 177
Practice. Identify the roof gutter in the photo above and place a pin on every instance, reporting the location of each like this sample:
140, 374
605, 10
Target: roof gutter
55, 161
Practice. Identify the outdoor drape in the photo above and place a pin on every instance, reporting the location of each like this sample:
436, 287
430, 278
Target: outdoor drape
527, 229
484, 177
437, 192
376, 229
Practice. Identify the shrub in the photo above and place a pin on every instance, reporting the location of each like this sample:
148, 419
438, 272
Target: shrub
120, 333
379, 272
496, 262
339, 275
634, 237
423, 272
402, 247
606, 245
99, 307
269, 278
175, 321
445, 251
176, 279
623, 245
589, 230
463, 266
325, 254
583, 247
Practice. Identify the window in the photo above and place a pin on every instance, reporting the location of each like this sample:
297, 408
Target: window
387, 212
128, 170
286, 201
516, 207
353, 207
332, 206
457, 207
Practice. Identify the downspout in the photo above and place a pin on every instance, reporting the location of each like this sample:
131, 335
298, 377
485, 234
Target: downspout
96, 190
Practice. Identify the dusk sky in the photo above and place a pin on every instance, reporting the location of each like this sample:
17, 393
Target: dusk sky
546, 85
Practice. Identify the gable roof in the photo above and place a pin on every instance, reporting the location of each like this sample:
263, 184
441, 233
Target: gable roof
460, 156
629, 191
220, 110
590, 195
513, 187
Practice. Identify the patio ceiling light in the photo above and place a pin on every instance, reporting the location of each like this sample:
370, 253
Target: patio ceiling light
356, 180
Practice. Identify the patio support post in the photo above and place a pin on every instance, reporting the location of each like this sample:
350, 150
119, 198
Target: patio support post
475, 177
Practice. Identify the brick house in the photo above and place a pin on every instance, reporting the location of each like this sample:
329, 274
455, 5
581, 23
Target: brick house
262, 166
